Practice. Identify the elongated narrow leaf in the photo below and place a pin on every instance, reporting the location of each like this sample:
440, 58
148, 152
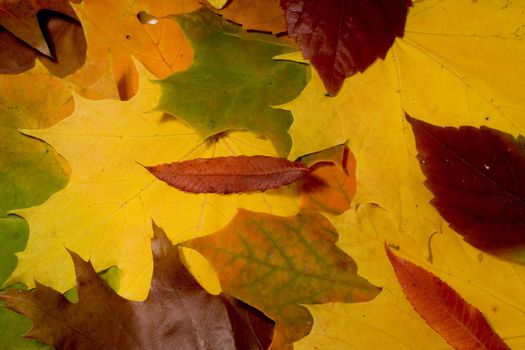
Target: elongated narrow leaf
477, 177
343, 37
229, 174
461, 324
178, 313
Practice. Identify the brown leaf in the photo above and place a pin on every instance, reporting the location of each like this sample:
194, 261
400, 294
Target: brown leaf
461, 324
343, 37
20, 18
15, 55
260, 15
229, 174
278, 264
477, 177
178, 313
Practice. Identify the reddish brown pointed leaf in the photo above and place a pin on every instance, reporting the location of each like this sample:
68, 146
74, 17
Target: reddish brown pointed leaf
229, 174
459, 323
477, 177
343, 37
178, 313
331, 183
15, 55
278, 264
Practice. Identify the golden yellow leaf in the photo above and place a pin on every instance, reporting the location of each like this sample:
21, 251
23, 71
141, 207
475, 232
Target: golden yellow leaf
218, 4
389, 321
460, 63
105, 211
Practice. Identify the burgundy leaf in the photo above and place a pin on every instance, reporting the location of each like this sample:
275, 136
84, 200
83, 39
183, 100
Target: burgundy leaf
229, 174
459, 323
477, 177
343, 37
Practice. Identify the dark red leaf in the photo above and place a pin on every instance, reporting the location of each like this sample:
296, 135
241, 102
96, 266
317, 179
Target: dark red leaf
229, 174
343, 37
478, 179
459, 323
178, 313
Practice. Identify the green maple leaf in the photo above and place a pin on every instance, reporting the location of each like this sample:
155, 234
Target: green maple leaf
233, 82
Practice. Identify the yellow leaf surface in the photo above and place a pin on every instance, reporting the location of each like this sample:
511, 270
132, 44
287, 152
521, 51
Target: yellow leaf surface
112, 25
460, 63
218, 4
105, 211
389, 321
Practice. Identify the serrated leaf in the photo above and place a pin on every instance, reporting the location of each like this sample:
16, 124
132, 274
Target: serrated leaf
461, 324
476, 177
178, 313
279, 263
229, 174
233, 82
341, 38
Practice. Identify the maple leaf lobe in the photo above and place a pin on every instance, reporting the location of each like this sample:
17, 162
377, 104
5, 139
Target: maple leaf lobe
344, 37
477, 178
459, 323
229, 174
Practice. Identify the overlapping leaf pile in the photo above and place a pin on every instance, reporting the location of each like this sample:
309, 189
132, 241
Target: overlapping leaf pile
114, 114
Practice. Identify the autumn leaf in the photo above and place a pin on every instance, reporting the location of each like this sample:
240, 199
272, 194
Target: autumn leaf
229, 174
215, 95
20, 18
330, 185
279, 263
475, 177
492, 285
15, 55
341, 38
160, 47
218, 3
178, 313
105, 142
260, 15
460, 323
426, 73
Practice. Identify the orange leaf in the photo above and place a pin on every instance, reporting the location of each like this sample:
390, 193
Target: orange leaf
114, 25
330, 186
261, 15
229, 174
459, 323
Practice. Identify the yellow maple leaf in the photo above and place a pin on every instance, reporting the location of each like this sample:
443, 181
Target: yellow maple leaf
448, 69
105, 211
494, 286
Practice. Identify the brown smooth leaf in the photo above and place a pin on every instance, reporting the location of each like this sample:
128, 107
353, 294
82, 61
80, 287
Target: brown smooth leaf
343, 37
477, 177
459, 323
20, 18
278, 264
15, 55
178, 313
67, 44
260, 15
229, 174
331, 183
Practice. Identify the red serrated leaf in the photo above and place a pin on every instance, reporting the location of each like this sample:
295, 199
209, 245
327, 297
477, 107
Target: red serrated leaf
229, 174
459, 323
343, 37
478, 179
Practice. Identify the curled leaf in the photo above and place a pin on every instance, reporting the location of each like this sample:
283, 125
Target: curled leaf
461, 324
229, 174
